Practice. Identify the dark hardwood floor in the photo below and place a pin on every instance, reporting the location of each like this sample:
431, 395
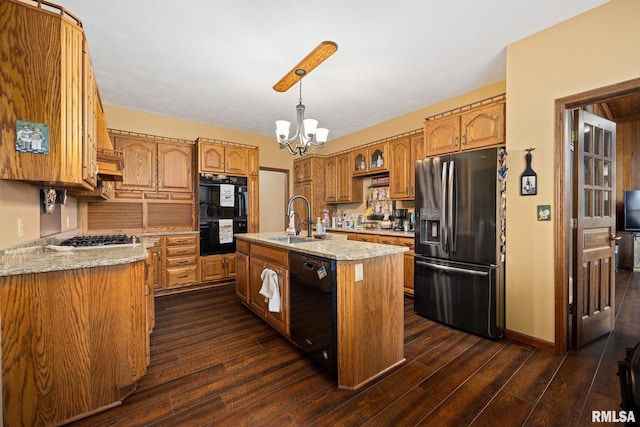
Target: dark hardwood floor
213, 362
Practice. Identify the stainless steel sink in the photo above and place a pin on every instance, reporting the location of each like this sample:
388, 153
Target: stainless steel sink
291, 239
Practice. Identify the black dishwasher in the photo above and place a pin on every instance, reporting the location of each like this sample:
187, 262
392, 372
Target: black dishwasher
313, 308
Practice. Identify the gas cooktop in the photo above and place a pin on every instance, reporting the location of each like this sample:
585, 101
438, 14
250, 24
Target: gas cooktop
104, 240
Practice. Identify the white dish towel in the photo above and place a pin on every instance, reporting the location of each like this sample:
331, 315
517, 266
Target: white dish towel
225, 230
226, 195
270, 289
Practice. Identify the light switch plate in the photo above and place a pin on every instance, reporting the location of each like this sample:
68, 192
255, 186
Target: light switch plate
359, 273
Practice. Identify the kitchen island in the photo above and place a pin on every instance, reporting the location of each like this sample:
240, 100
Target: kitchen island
75, 327
369, 298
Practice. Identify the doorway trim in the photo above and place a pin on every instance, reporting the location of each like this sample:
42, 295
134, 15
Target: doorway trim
563, 194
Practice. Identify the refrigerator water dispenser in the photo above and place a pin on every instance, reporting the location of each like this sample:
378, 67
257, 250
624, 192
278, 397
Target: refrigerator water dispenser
429, 226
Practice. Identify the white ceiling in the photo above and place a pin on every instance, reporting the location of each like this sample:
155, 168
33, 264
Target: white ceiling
216, 62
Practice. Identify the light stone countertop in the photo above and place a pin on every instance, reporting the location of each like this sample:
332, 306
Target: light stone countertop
378, 231
339, 249
40, 259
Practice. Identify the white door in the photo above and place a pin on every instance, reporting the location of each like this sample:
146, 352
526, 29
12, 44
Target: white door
273, 199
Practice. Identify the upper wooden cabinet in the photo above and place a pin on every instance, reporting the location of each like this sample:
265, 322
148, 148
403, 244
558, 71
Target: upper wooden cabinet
309, 181
175, 173
401, 177
214, 157
302, 169
370, 160
340, 186
154, 169
47, 80
475, 128
483, 126
253, 161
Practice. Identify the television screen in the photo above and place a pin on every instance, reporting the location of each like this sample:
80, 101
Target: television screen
632, 210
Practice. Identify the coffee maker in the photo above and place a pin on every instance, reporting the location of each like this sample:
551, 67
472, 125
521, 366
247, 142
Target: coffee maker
400, 216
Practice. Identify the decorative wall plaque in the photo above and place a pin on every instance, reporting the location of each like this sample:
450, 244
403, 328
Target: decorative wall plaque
32, 137
528, 179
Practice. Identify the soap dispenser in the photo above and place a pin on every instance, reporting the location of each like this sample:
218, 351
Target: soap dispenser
291, 229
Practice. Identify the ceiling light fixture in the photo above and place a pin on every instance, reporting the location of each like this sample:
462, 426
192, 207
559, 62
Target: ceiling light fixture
307, 135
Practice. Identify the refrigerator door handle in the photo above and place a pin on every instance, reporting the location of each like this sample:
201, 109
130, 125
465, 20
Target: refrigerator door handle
452, 269
444, 235
450, 206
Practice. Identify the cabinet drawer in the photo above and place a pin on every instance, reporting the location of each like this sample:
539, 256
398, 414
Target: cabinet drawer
181, 261
181, 275
190, 239
280, 256
407, 242
371, 238
242, 246
181, 251
387, 240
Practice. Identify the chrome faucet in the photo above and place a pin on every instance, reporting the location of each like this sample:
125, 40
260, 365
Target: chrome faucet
309, 219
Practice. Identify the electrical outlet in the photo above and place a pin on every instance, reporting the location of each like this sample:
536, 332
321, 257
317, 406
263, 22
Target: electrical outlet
20, 227
359, 272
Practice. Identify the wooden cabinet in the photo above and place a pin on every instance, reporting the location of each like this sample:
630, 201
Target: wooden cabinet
157, 191
180, 254
340, 186
408, 263
175, 173
403, 153
331, 179
309, 181
402, 175
303, 169
477, 127
442, 135
154, 169
44, 82
153, 269
398, 241
483, 126
370, 160
242, 270
253, 161
215, 268
73, 342
262, 256
214, 157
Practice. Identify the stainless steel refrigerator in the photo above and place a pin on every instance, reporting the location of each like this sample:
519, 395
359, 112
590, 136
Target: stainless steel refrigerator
461, 241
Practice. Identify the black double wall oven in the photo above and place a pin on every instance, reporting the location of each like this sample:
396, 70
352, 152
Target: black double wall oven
223, 204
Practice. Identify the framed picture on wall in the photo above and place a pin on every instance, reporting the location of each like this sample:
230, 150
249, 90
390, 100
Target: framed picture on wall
528, 186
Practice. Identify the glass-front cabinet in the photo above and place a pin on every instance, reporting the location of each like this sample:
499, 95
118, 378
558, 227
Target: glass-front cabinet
370, 160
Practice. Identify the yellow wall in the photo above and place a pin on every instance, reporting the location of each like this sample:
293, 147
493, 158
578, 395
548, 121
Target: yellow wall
595, 49
18, 201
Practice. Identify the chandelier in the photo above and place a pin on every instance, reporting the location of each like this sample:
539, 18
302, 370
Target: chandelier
307, 135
